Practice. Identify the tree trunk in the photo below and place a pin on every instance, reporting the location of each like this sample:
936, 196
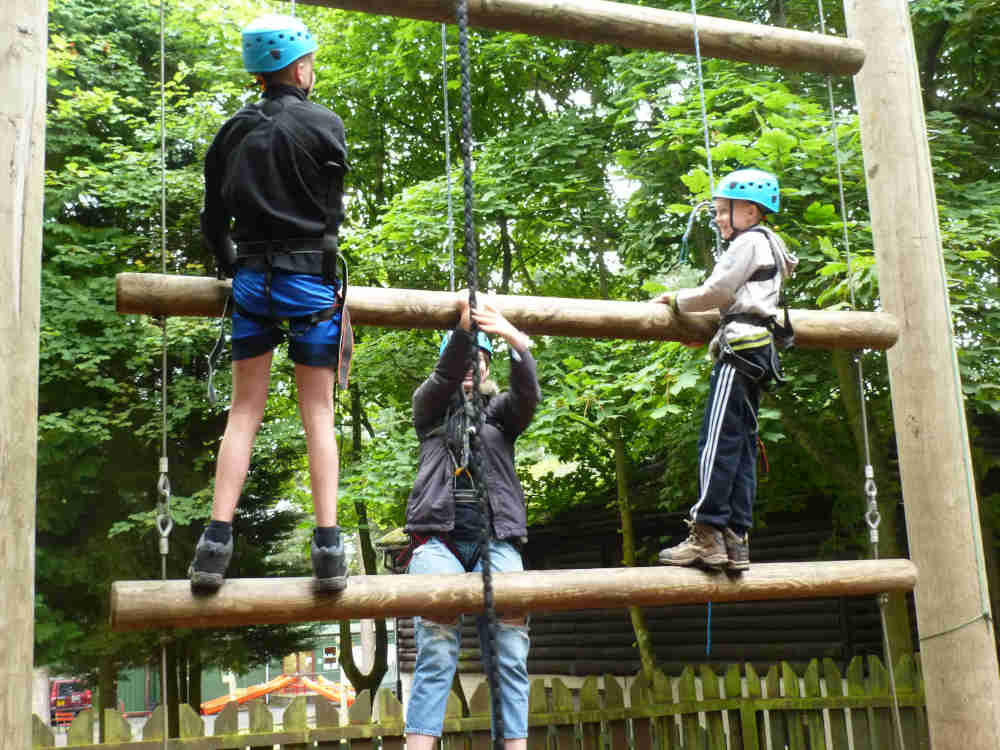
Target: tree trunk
183, 688
380, 662
507, 255
173, 711
642, 638
107, 690
194, 677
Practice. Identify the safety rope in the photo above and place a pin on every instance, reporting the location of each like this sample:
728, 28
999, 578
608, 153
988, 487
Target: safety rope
704, 124
164, 522
872, 515
447, 157
477, 465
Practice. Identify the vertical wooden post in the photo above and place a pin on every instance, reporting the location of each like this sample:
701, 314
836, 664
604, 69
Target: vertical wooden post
958, 650
23, 40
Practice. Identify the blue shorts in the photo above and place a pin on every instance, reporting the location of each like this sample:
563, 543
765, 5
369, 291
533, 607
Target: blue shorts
292, 295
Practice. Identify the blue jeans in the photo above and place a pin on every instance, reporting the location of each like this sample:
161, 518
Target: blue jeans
437, 649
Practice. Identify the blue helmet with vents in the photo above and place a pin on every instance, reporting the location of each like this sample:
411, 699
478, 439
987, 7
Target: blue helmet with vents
481, 339
272, 42
754, 185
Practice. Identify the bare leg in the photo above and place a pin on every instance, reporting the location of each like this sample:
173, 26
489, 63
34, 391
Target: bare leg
420, 742
315, 394
521, 744
250, 383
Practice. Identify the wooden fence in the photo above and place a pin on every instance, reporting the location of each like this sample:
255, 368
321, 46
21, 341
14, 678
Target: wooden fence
739, 710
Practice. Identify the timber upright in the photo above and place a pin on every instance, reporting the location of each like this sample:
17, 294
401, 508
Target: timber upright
745, 286
273, 205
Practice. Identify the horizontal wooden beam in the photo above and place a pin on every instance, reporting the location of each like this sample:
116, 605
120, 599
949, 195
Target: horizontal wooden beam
137, 605
636, 27
165, 294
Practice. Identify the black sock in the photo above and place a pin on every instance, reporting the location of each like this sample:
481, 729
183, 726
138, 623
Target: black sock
327, 536
219, 531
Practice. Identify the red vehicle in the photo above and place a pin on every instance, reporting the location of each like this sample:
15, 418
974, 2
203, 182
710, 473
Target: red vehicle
67, 697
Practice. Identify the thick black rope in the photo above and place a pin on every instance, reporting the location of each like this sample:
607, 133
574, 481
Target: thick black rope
477, 464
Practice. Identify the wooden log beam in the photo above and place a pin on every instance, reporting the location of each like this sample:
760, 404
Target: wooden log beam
164, 294
137, 605
636, 27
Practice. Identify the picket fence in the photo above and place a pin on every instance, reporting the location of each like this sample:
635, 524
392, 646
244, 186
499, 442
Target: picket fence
700, 710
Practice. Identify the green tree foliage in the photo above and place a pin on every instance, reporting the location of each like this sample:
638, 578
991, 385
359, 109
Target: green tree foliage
588, 160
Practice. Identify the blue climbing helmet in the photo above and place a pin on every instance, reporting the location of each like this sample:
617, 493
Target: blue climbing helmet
754, 185
481, 339
272, 42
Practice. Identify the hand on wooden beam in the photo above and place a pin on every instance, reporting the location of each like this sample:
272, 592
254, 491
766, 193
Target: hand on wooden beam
490, 320
670, 300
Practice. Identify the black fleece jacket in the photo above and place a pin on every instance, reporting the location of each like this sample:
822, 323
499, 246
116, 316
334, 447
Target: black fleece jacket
277, 169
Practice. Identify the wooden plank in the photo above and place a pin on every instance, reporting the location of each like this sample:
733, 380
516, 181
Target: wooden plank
479, 705
562, 701
391, 720
538, 733
754, 734
614, 699
686, 693
713, 719
226, 721
666, 730
860, 723
116, 727
452, 738
43, 736
733, 688
164, 294
838, 717
881, 718
794, 719
294, 720
906, 682
776, 720
261, 722
814, 726
590, 731
635, 27
640, 697
137, 605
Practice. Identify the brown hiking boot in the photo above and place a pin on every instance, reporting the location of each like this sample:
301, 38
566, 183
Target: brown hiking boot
704, 546
737, 550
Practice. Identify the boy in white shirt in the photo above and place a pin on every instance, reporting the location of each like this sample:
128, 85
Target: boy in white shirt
744, 286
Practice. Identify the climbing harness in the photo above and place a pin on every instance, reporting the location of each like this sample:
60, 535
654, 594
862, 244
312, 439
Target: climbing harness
872, 516
708, 143
477, 465
262, 255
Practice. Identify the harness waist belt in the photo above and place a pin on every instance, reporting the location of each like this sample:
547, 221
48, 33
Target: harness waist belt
749, 318
285, 247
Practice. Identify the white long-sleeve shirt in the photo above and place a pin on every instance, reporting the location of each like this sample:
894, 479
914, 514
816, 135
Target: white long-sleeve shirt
730, 289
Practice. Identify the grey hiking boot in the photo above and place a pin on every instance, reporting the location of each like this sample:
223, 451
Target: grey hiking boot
329, 566
208, 569
737, 550
704, 546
